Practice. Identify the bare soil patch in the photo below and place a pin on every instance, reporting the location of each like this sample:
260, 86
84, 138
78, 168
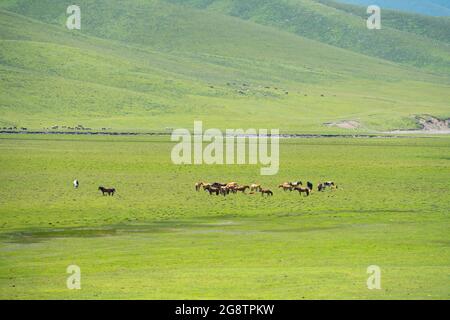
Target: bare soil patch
344, 124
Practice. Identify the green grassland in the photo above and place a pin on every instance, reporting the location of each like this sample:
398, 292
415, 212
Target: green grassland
164, 64
158, 238
156, 65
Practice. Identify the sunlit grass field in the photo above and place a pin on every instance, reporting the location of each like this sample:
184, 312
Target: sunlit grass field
159, 239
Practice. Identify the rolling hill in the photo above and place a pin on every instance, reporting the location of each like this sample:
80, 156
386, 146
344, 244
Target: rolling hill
152, 65
437, 28
324, 21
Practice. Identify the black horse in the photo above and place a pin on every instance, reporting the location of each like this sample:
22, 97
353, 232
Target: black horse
212, 190
109, 192
218, 185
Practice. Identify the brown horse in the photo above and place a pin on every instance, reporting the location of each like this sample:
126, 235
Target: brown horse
267, 192
205, 186
232, 189
232, 184
224, 191
241, 189
105, 191
198, 185
302, 190
286, 186
255, 187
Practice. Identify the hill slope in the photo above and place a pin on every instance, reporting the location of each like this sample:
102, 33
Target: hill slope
157, 65
437, 28
325, 22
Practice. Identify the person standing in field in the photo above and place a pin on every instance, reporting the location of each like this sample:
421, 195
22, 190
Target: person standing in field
75, 184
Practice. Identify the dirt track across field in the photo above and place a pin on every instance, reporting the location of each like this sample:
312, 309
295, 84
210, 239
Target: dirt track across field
282, 136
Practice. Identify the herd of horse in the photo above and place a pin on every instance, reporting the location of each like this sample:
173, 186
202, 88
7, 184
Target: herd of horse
225, 189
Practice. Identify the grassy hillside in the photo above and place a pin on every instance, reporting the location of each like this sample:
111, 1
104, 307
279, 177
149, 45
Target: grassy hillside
160, 65
322, 22
431, 27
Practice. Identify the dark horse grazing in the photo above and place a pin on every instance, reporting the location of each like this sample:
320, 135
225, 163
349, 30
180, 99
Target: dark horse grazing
267, 192
241, 189
224, 191
302, 190
218, 185
212, 190
110, 192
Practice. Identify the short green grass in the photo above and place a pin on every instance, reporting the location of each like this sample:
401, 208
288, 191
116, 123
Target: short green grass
159, 239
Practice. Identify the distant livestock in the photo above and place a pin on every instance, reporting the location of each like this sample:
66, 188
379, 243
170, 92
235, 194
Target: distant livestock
255, 187
105, 191
302, 190
266, 192
286, 186
225, 189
